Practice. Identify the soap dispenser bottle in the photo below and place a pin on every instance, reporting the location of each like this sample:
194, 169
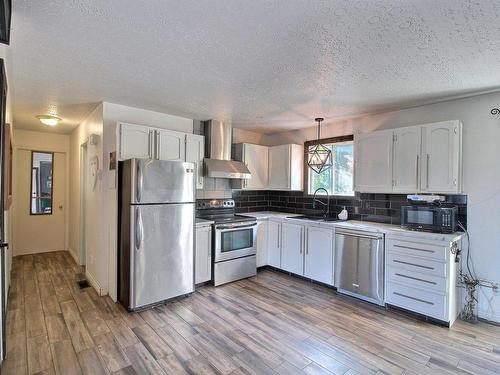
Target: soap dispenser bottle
343, 214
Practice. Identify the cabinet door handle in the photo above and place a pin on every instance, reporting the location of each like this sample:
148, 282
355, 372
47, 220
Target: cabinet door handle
307, 241
415, 278
279, 234
413, 298
150, 145
428, 162
301, 241
414, 248
158, 145
413, 264
416, 172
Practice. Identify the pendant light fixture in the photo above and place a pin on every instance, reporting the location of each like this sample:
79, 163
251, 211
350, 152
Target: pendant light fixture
319, 157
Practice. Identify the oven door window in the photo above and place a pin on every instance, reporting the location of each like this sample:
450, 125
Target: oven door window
236, 240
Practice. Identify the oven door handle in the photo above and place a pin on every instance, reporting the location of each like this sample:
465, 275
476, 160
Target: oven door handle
235, 226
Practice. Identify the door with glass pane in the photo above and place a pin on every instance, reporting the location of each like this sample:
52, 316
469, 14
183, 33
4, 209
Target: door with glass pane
39, 224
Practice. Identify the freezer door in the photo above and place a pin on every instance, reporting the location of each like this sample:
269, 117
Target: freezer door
162, 256
161, 181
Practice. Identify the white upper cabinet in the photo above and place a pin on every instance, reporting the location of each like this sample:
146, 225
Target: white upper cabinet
318, 263
406, 159
292, 257
274, 244
170, 145
195, 152
143, 142
256, 159
422, 158
441, 151
135, 141
373, 162
286, 167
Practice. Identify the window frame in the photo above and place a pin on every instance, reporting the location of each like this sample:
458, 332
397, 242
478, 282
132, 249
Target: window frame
331, 140
51, 186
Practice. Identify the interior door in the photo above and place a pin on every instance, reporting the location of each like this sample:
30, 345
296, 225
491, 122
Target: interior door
407, 163
37, 233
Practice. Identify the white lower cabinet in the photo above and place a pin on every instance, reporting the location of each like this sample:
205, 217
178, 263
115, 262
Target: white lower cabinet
318, 260
292, 252
421, 276
274, 244
203, 256
262, 242
301, 249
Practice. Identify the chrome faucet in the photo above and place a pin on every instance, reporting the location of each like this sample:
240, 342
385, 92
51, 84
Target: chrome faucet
326, 205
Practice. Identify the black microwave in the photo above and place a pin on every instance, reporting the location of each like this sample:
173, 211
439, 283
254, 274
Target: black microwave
430, 218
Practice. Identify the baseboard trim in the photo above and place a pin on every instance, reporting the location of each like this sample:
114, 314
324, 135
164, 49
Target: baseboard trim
73, 255
490, 317
94, 283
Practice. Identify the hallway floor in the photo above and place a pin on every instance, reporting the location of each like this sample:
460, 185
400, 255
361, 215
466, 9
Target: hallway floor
268, 324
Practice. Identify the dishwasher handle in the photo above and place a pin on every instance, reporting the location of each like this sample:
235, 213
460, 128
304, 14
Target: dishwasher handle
360, 234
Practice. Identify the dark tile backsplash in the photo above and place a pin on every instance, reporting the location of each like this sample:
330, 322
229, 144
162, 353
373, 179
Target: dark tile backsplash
382, 208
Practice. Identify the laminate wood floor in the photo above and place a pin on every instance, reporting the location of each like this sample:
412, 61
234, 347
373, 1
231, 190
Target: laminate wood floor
268, 324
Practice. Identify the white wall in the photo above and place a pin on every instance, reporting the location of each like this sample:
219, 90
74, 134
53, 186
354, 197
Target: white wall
95, 259
481, 156
246, 136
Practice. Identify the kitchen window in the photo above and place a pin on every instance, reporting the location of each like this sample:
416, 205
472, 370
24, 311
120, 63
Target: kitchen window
337, 180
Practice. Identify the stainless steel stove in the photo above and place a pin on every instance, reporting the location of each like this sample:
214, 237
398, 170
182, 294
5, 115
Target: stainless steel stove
233, 242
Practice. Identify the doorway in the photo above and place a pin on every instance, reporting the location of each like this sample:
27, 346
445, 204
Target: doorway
40, 213
83, 206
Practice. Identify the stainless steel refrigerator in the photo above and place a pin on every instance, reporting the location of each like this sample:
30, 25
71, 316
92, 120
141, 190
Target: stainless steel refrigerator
156, 231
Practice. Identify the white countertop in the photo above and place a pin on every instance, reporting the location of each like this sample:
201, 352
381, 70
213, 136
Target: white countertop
387, 229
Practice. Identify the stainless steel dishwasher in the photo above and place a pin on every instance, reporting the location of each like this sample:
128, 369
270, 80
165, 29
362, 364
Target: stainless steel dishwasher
359, 264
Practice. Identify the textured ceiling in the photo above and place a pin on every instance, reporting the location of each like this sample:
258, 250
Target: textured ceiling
264, 65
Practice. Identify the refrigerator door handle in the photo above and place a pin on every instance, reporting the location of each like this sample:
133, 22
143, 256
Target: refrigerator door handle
140, 183
138, 229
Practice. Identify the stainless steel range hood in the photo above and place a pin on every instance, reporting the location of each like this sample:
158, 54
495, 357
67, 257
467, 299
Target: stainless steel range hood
218, 142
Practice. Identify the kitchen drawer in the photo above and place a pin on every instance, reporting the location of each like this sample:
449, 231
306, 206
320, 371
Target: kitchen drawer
417, 249
416, 264
426, 303
418, 280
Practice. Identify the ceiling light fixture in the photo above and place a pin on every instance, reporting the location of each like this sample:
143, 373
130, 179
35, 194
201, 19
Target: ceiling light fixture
319, 157
49, 120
